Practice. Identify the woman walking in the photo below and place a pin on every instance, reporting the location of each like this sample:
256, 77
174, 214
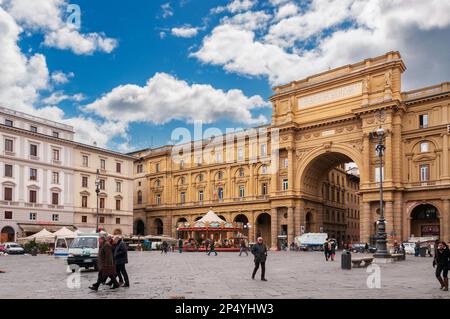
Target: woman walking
441, 261
105, 262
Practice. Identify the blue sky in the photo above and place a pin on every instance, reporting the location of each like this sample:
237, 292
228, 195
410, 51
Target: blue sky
130, 71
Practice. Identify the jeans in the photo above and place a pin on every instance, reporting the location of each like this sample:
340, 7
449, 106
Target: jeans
243, 249
441, 269
122, 274
263, 269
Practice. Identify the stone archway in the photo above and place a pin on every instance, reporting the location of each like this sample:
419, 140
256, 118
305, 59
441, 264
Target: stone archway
425, 221
139, 227
263, 228
158, 226
7, 234
241, 218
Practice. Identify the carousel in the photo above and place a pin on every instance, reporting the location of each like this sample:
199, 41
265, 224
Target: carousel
196, 236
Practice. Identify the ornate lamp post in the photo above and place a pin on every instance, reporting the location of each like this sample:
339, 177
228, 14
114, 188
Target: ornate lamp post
382, 251
97, 191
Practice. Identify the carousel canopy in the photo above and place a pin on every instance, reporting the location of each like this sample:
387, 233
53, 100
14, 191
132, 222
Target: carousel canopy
210, 217
42, 236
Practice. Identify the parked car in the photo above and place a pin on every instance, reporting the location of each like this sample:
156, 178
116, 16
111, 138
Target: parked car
13, 249
361, 248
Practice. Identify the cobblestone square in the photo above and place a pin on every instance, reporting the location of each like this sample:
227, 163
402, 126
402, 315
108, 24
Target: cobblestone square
196, 275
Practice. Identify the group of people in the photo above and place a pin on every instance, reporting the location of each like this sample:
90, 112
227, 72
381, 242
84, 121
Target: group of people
111, 261
329, 248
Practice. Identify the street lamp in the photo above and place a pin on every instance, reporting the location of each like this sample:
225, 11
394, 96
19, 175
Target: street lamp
97, 191
382, 251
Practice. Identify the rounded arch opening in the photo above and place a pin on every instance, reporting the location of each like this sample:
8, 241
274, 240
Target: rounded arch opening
263, 227
425, 221
139, 227
7, 234
158, 226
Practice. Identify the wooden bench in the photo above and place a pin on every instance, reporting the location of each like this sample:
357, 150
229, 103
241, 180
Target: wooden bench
398, 257
358, 262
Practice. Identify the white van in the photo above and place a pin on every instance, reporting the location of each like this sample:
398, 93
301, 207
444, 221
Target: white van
309, 241
84, 251
62, 245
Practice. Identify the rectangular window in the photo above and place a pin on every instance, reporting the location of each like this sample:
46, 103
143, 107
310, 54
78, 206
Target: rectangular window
183, 197
118, 204
55, 217
139, 169
118, 187
84, 181
9, 123
8, 170
264, 189
181, 164
263, 150
33, 129
240, 154
102, 219
424, 172
33, 196
102, 184
423, 120
84, 201
8, 194
157, 167
33, 174
377, 174
118, 168
33, 216
9, 145
424, 147
117, 220
218, 157
102, 203
8, 215
55, 199
55, 154
102, 164
33, 150
56, 134
220, 193
200, 196
55, 178
158, 199
285, 184
84, 219
85, 160
241, 191
285, 162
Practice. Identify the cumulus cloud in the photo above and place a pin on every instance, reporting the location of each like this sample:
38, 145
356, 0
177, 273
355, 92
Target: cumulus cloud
185, 32
331, 33
165, 98
59, 77
235, 6
47, 16
167, 10
59, 96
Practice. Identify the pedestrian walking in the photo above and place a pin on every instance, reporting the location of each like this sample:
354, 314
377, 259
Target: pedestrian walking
259, 250
243, 247
332, 250
212, 248
105, 263
326, 249
180, 245
121, 259
417, 249
441, 262
164, 247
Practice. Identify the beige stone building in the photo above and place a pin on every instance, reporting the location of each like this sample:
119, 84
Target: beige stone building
274, 184
116, 189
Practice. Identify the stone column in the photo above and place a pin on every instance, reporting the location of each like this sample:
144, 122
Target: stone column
301, 216
389, 216
445, 175
365, 221
388, 158
274, 229
290, 169
252, 229
291, 231
398, 217
445, 220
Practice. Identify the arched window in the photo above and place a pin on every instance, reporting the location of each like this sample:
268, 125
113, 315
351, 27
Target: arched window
200, 178
158, 183
241, 172
220, 175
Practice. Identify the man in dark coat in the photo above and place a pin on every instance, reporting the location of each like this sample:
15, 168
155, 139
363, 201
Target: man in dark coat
441, 262
259, 250
121, 259
212, 248
105, 262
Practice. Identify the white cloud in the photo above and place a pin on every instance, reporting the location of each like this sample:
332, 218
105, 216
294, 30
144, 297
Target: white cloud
235, 6
165, 98
47, 16
59, 96
331, 33
167, 10
287, 10
248, 20
185, 32
59, 77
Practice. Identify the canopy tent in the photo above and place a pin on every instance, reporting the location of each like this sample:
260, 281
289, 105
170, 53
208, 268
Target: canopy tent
44, 236
65, 232
210, 217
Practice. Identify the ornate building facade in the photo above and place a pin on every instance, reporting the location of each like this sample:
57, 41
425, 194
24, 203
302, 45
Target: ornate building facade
275, 186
